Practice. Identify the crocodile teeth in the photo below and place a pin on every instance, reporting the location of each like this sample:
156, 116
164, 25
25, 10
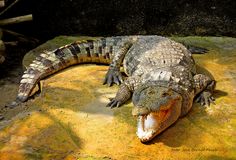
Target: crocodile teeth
148, 125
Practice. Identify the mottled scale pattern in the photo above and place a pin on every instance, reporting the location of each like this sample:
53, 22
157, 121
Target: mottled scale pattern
151, 58
157, 53
158, 59
49, 62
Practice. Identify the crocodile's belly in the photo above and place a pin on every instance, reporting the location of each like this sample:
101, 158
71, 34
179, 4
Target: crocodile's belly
150, 54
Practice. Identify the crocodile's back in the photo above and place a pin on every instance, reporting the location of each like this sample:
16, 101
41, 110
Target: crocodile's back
155, 53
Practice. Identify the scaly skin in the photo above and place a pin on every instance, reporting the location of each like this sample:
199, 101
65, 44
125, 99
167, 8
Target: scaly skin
98, 51
162, 78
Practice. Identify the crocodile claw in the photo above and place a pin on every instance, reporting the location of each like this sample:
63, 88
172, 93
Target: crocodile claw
1, 117
113, 76
197, 50
205, 98
13, 104
114, 103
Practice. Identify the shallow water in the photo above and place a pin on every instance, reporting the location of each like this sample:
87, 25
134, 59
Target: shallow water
69, 119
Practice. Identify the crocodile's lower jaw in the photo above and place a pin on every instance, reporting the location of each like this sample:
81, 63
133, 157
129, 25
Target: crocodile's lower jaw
149, 125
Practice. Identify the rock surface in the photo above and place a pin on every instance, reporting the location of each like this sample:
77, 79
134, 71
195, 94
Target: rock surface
69, 119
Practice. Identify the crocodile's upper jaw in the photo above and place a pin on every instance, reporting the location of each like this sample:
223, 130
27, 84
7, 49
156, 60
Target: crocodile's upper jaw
151, 125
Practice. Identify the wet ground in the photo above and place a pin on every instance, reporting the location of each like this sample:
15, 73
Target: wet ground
69, 119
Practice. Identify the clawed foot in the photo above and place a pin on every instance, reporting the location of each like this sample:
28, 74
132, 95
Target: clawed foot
205, 98
197, 50
114, 103
113, 76
14, 104
1, 117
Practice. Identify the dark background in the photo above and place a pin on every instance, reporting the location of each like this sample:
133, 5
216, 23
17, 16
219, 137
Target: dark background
125, 17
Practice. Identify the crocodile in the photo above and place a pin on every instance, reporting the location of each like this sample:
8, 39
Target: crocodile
161, 77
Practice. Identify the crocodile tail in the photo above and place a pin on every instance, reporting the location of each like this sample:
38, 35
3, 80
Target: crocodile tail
91, 51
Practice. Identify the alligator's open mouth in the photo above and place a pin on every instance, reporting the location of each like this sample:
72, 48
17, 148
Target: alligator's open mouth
149, 125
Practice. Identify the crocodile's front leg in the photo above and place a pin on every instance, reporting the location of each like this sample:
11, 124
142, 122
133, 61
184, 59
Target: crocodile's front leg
113, 75
204, 87
121, 97
124, 93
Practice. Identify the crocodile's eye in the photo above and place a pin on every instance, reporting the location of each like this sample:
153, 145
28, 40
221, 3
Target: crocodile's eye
165, 94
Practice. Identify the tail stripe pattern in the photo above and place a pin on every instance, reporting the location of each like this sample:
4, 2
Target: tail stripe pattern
99, 51
103, 41
60, 55
76, 48
88, 52
73, 52
91, 45
96, 48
